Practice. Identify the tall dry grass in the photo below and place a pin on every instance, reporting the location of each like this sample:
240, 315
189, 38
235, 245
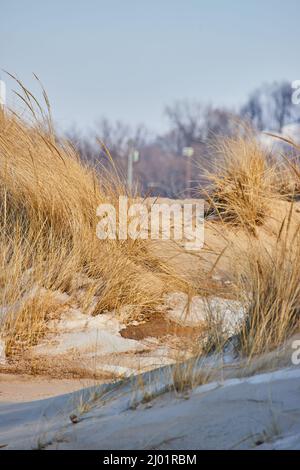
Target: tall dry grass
289, 176
241, 181
271, 281
48, 243
48, 201
246, 184
271, 291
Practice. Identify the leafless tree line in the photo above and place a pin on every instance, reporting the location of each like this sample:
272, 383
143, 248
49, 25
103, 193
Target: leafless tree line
162, 168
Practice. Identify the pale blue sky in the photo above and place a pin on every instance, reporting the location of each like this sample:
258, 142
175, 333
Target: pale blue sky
127, 59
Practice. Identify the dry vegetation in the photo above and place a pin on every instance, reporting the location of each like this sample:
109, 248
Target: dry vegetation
246, 186
271, 281
48, 240
48, 235
271, 289
242, 181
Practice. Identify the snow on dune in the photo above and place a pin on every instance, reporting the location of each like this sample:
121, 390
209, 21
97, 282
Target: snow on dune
257, 412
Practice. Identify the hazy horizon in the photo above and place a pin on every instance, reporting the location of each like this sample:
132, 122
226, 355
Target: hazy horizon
128, 60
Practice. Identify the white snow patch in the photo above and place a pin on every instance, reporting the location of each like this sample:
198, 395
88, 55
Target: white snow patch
199, 310
79, 332
118, 371
2, 352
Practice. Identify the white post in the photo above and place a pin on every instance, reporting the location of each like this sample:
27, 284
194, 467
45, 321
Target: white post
188, 152
2, 95
129, 169
133, 157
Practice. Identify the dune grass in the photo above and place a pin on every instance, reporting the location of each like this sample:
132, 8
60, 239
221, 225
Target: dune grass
241, 181
271, 291
48, 201
49, 247
270, 281
246, 184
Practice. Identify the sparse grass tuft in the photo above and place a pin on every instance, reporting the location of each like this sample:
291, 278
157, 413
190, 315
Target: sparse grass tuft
188, 375
271, 291
242, 181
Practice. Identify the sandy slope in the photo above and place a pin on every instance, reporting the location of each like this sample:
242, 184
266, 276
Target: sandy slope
224, 415
259, 412
25, 388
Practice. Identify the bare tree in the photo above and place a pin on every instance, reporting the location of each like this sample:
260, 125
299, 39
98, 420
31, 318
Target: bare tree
253, 110
118, 136
271, 107
187, 120
283, 111
193, 123
219, 122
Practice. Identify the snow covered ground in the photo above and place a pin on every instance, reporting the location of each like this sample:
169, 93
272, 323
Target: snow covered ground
258, 412
95, 344
233, 407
